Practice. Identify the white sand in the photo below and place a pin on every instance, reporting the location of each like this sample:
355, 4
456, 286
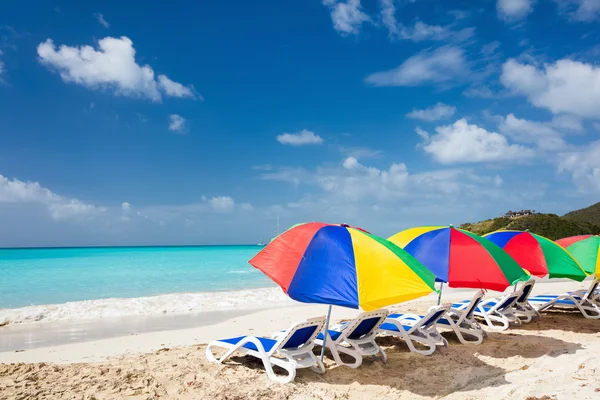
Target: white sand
556, 356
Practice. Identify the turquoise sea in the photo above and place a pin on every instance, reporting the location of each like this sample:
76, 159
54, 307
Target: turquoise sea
59, 275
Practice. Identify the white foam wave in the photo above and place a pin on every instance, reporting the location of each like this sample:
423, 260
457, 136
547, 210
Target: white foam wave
176, 303
241, 271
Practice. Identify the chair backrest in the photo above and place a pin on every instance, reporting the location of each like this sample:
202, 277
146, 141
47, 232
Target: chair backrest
363, 325
591, 293
472, 306
526, 288
508, 301
300, 334
434, 315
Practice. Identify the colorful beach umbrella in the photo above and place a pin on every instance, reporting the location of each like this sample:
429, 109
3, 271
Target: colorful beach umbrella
538, 255
461, 258
339, 265
585, 249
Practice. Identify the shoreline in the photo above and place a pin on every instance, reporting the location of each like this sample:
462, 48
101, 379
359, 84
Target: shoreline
183, 303
97, 339
554, 357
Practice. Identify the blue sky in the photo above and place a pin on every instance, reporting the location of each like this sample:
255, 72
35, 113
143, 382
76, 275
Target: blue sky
187, 123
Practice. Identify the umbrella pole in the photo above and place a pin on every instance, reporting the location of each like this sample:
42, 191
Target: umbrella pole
326, 333
440, 294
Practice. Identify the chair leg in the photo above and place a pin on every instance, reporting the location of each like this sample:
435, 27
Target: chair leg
348, 351
410, 339
286, 365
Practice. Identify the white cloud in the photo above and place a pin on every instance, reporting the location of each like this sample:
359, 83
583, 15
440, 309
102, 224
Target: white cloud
74, 209
175, 89
543, 135
177, 123
514, 10
101, 20
111, 67
388, 16
420, 31
435, 113
347, 16
465, 143
18, 192
444, 65
580, 10
222, 203
596, 126
353, 183
361, 152
566, 86
301, 138
422, 133
584, 167
569, 123
125, 206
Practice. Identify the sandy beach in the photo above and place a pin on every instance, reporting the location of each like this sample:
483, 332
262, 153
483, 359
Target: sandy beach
552, 358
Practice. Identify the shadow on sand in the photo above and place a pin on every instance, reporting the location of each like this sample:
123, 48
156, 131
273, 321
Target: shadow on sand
564, 321
452, 369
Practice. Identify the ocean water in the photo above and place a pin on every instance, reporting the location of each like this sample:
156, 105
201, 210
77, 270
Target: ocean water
154, 279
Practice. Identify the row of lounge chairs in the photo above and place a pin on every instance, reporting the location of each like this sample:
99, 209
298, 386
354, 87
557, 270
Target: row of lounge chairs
292, 349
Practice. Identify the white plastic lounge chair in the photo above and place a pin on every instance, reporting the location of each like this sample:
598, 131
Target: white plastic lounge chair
292, 351
414, 328
497, 314
463, 322
587, 302
355, 338
522, 308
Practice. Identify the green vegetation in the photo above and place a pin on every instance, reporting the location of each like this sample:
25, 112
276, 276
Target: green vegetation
580, 222
590, 215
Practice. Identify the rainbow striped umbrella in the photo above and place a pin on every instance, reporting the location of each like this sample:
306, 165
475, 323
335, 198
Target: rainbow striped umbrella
585, 249
461, 258
339, 265
538, 255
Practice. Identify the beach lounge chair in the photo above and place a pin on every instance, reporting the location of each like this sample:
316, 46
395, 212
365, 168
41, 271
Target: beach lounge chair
414, 328
463, 322
292, 351
498, 314
355, 338
586, 302
522, 308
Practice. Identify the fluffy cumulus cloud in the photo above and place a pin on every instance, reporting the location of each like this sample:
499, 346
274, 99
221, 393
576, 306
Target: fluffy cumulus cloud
60, 208
580, 10
543, 135
175, 89
111, 66
304, 137
462, 142
566, 86
347, 16
177, 123
444, 65
584, 166
514, 10
435, 113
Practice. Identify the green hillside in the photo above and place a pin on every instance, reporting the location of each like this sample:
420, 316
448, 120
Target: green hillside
590, 215
549, 225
